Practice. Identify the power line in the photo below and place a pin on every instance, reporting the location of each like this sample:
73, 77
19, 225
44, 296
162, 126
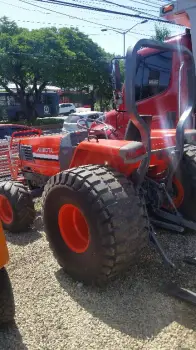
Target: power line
46, 13
74, 17
146, 3
111, 4
125, 6
53, 23
118, 30
85, 7
70, 27
116, 4
20, 7
134, 9
98, 9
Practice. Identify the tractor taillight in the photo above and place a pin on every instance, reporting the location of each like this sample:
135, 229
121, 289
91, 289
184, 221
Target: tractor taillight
167, 8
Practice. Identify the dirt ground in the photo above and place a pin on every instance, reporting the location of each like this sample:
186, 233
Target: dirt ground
55, 313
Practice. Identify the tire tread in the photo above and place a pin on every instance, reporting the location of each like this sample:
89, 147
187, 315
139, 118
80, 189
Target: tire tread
22, 204
122, 240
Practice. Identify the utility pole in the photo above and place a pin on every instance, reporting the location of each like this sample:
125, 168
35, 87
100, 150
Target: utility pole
125, 33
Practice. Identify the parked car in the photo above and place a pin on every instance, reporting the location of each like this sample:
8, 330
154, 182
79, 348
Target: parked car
66, 108
70, 123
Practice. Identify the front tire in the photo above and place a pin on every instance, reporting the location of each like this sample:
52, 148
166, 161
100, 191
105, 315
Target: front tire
7, 307
110, 220
17, 211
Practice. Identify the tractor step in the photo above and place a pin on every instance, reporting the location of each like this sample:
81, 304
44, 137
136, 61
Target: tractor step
189, 260
180, 293
159, 248
167, 225
179, 220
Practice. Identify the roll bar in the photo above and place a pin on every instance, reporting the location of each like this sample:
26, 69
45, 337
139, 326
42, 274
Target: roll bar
130, 79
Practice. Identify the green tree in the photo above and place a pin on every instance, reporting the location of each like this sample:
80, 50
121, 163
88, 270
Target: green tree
29, 58
90, 67
36, 58
8, 27
161, 33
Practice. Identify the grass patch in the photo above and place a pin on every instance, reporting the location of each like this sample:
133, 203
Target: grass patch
44, 121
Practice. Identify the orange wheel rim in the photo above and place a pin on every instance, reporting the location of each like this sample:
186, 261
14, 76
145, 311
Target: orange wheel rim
73, 228
6, 212
179, 194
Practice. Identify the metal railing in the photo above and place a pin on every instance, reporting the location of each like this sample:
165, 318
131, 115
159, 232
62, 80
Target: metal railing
5, 171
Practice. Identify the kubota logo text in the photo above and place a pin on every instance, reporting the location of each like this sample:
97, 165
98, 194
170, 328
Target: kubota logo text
45, 150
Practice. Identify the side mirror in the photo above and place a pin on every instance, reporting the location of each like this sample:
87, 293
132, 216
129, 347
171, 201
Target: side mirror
117, 80
117, 84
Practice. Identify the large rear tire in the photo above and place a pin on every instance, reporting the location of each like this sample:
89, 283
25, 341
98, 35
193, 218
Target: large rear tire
7, 307
95, 222
187, 176
17, 211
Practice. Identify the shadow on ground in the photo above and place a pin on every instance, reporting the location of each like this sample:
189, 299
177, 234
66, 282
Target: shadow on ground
23, 238
135, 304
10, 338
30, 236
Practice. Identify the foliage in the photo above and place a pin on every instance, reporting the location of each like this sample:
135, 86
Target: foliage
3, 113
161, 33
8, 27
63, 57
47, 121
104, 106
90, 67
38, 122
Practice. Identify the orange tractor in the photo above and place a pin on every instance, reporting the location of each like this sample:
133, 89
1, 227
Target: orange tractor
7, 309
102, 197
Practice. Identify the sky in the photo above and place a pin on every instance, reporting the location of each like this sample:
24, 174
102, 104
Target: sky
27, 15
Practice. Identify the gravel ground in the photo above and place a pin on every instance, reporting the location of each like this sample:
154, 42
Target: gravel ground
55, 313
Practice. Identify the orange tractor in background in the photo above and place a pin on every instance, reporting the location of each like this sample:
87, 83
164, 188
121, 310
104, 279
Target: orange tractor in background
102, 198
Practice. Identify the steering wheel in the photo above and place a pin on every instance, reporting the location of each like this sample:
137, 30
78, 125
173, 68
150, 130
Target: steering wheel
83, 126
85, 121
97, 121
